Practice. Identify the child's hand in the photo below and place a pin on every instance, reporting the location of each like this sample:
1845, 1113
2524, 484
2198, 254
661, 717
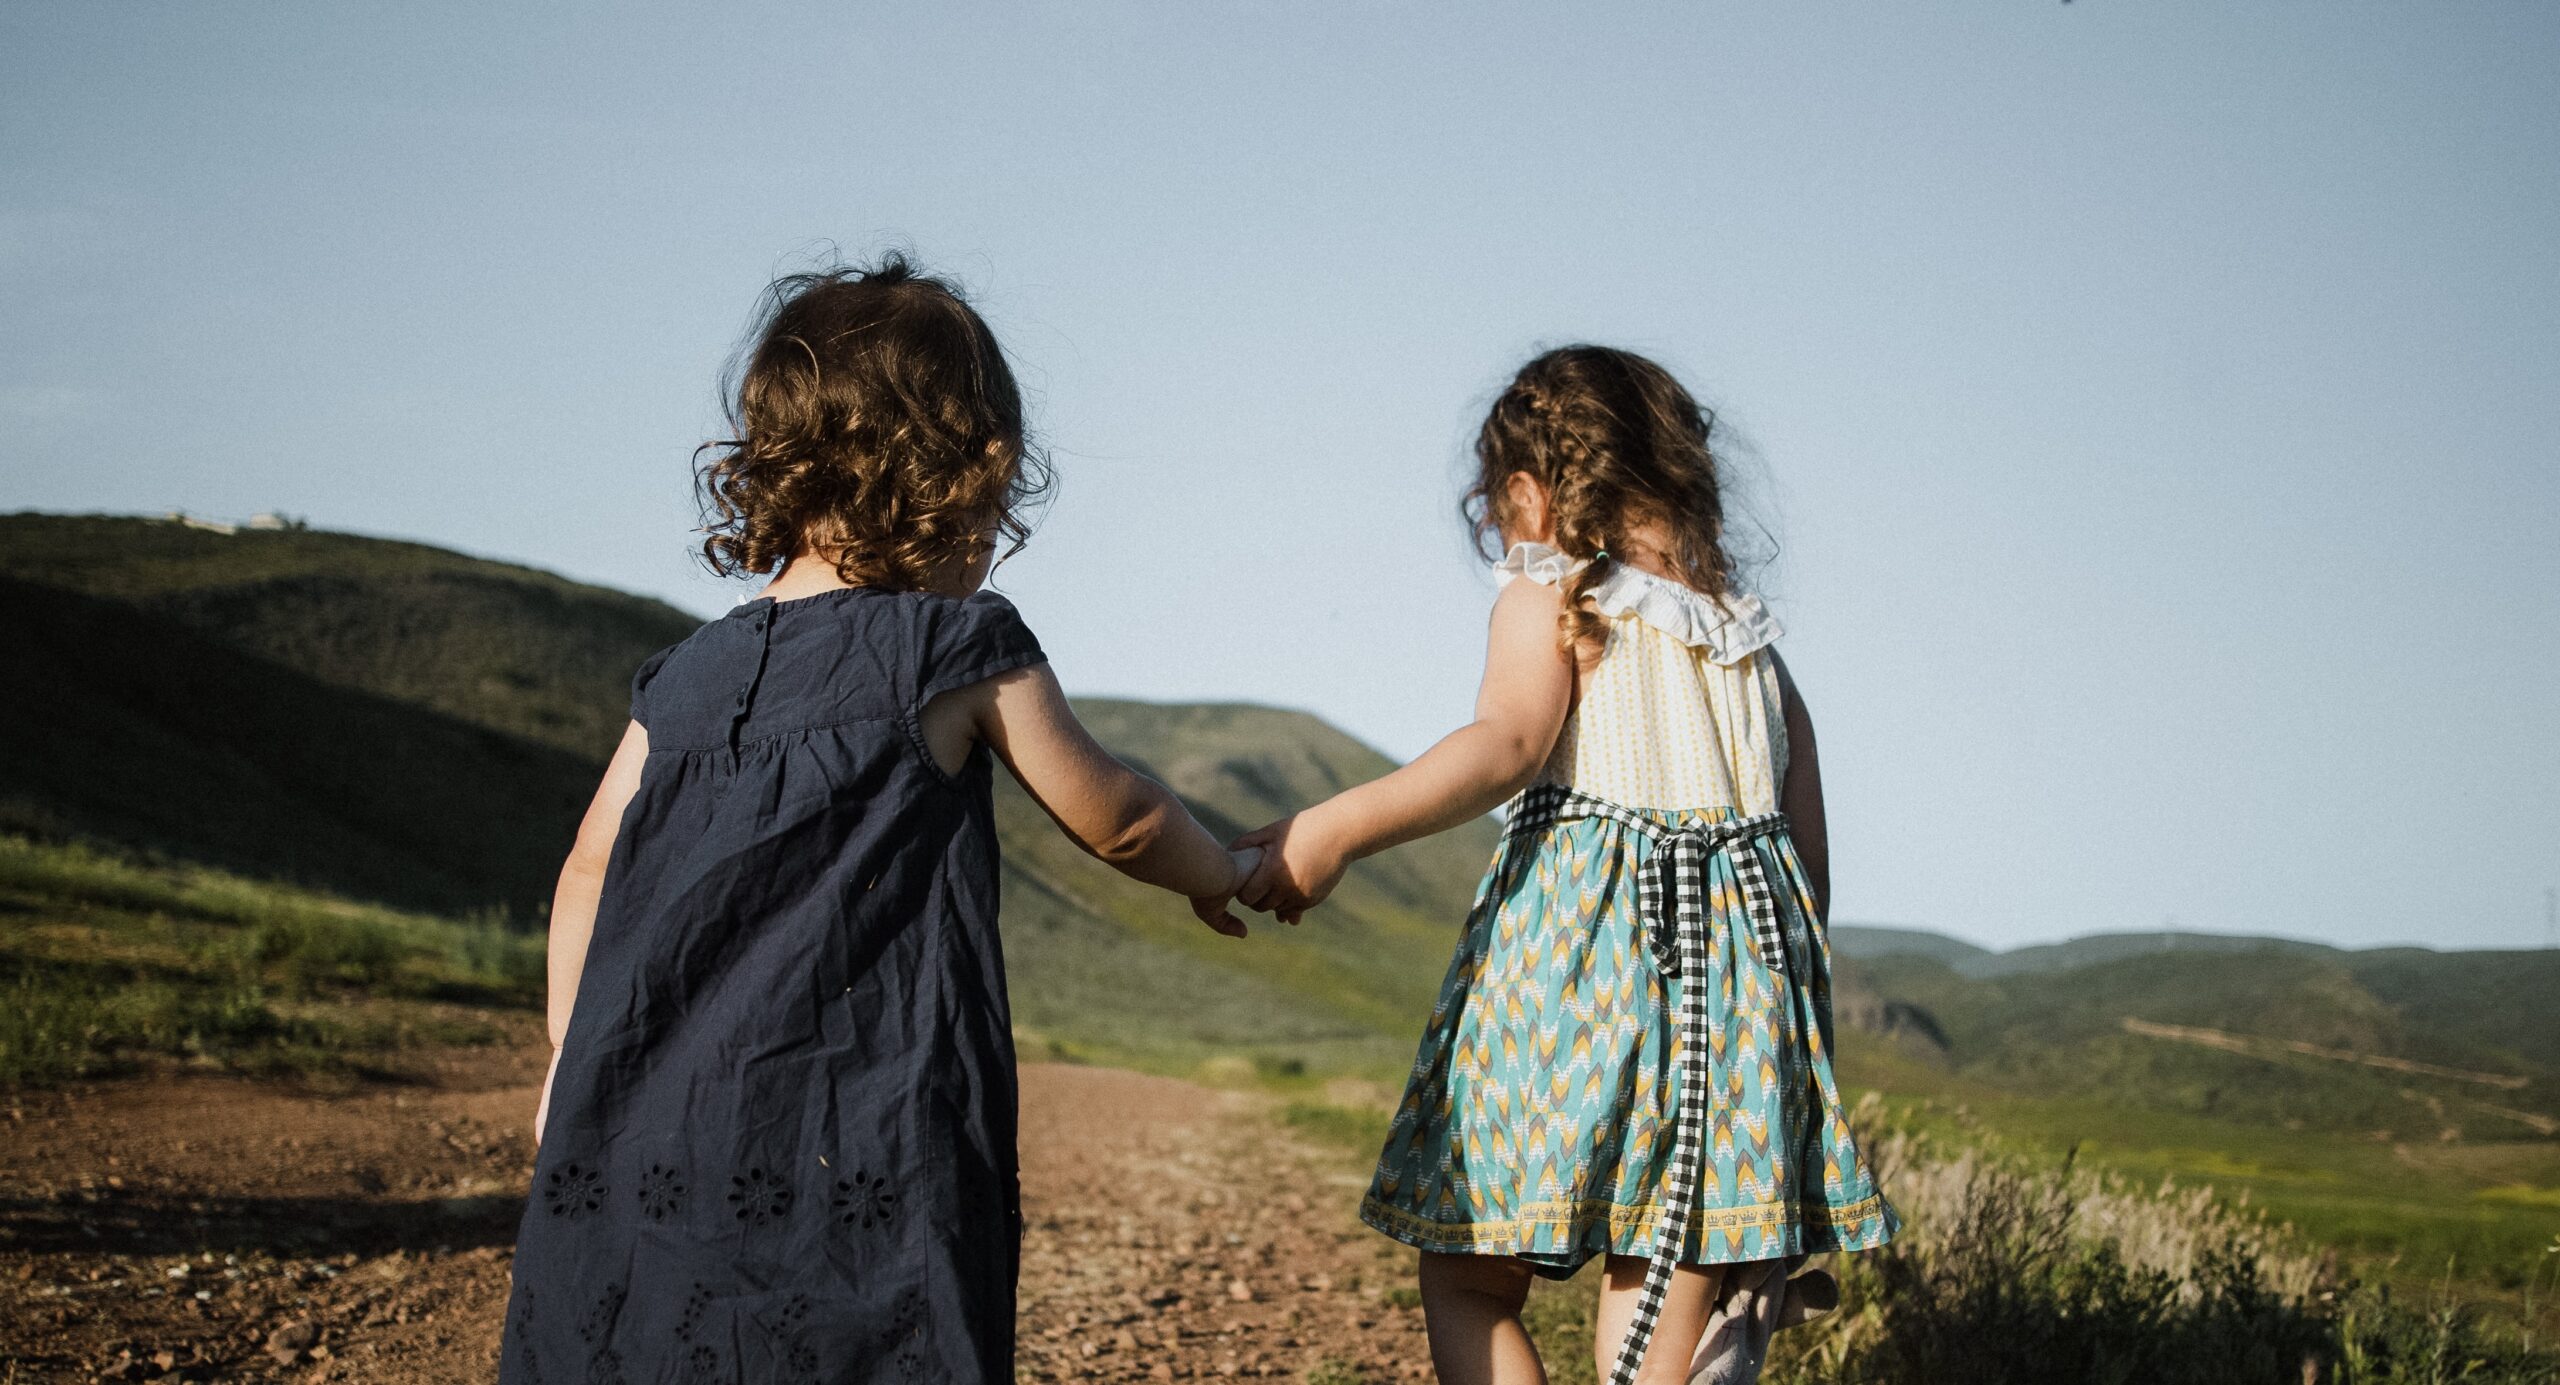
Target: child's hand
1300, 866
1212, 909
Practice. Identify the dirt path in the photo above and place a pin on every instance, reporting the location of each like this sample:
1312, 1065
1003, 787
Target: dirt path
2256, 1046
204, 1228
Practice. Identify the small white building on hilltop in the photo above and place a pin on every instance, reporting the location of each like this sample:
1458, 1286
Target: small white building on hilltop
210, 526
269, 520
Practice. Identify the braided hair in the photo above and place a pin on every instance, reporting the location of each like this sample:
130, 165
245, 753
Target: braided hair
1617, 445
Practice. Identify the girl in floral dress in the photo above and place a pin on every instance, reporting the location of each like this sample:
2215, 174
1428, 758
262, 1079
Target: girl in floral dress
1630, 1056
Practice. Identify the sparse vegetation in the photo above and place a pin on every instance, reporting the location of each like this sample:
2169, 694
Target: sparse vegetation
2019, 1264
2010, 1274
2398, 1211
110, 962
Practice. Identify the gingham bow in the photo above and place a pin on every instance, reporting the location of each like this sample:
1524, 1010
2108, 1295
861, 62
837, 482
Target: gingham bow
1677, 875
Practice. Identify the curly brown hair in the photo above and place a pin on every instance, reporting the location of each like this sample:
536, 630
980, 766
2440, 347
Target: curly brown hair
875, 420
1618, 446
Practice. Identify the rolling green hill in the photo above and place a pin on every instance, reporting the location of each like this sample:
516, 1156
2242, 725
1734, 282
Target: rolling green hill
1866, 940
504, 647
1349, 987
2403, 1045
402, 724
2099, 948
124, 727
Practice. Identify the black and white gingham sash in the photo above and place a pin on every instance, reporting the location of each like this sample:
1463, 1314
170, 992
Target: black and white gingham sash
1676, 874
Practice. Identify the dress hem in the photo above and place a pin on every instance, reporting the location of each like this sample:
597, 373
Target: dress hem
1565, 1227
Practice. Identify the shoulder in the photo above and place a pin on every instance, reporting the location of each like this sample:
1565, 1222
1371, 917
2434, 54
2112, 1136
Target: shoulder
1529, 585
648, 670
1534, 564
649, 673
967, 639
980, 621
1725, 629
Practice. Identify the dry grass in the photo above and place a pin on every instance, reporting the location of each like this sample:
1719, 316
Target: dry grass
2012, 1273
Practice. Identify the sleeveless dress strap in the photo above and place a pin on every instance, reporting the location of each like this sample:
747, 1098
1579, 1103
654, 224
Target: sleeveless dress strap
1725, 630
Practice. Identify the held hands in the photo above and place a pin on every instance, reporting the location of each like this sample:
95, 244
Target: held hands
1212, 909
1284, 870
1301, 863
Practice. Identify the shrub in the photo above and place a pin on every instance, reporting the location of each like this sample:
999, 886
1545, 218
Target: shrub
2010, 1274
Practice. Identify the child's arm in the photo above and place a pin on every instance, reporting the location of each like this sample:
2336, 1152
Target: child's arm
1800, 797
1527, 689
1122, 817
573, 901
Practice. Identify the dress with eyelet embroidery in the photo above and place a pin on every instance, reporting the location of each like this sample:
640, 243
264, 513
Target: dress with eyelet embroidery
1631, 1052
781, 1139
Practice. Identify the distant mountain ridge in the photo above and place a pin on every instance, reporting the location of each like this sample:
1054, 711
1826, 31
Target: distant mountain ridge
2267, 1031
1871, 941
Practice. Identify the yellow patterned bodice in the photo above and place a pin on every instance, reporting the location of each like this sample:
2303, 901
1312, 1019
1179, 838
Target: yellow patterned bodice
1682, 710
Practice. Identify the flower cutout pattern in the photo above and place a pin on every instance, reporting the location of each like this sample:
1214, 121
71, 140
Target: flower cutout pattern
662, 1192
573, 1191
865, 1200
596, 1324
689, 1318
759, 1196
527, 1363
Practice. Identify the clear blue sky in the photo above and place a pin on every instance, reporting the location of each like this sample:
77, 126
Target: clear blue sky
2156, 401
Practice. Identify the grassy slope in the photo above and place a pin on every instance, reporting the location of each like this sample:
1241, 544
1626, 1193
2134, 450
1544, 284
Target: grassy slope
2062, 1034
1862, 941
108, 962
392, 721
2115, 947
1101, 961
123, 726
518, 651
2406, 1206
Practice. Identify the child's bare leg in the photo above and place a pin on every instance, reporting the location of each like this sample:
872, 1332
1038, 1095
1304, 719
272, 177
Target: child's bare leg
1676, 1330
1471, 1307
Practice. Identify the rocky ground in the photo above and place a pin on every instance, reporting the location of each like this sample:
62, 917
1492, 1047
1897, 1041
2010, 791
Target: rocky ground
205, 1228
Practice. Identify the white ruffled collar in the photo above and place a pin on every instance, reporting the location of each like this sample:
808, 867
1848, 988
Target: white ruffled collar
1727, 630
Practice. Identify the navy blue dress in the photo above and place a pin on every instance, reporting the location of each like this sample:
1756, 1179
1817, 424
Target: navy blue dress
781, 1140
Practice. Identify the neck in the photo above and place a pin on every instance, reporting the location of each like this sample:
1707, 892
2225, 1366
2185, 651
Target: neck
804, 574
809, 572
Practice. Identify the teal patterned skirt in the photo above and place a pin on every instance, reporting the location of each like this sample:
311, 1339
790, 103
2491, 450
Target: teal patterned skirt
1539, 1119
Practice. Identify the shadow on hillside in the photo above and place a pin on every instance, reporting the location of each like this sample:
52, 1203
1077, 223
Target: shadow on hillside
131, 728
158, 1223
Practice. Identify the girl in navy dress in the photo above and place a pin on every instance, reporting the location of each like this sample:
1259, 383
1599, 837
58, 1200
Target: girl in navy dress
777, 1139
